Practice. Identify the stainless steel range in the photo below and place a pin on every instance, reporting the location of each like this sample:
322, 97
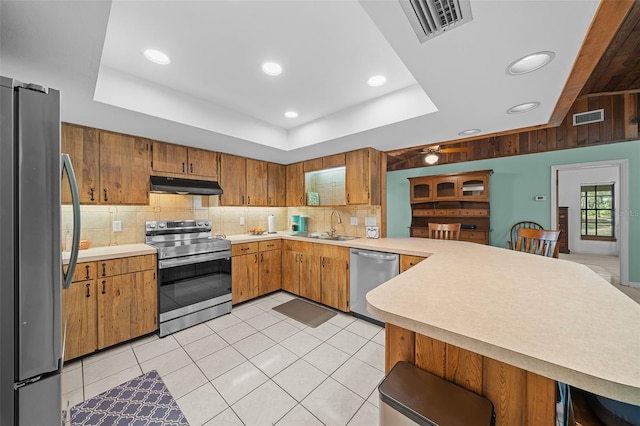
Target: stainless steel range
194, 273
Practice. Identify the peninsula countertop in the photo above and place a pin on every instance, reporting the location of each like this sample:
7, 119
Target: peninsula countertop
549, 316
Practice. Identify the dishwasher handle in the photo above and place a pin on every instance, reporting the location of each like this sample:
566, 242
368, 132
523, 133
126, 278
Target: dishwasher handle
380, 256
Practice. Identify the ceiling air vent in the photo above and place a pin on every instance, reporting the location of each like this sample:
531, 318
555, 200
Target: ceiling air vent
594, 116
430, 18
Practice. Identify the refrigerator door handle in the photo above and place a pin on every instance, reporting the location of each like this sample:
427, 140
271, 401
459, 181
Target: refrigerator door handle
75, 197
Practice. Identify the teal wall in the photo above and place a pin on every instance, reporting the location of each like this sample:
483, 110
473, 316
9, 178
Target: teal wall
515, 182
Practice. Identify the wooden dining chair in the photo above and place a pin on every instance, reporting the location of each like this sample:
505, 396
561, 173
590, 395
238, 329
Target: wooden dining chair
513, 234
444, 231
538, 241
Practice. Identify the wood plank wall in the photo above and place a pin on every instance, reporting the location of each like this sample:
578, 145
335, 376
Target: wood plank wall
519, 397
620, 125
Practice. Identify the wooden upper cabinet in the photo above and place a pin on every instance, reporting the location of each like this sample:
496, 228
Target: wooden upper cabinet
295, 185
82, 145
313, 165
181, 160
202, 163
169, 158
474, 187
124, 169
446, 188
257, 183
276, 194
363, 176
232, 179
421, 189
331, 161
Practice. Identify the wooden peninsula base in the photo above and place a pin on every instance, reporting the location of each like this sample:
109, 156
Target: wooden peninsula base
519, 397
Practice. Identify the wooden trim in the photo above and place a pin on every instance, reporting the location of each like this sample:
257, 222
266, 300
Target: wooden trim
593, 238
608, 19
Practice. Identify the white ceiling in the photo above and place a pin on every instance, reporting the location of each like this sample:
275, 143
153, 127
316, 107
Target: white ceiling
213, 95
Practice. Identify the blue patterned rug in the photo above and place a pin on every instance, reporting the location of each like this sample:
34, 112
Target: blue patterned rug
143, 401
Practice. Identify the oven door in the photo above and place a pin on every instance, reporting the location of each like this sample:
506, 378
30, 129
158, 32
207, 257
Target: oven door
191, 283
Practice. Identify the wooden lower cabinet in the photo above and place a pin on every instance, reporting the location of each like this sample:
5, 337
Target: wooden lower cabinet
334, 276
102, 311
408, 261
301, 274
519, 397
256, 269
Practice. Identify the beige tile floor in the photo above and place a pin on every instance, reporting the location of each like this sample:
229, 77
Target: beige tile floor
608, 267
251, 367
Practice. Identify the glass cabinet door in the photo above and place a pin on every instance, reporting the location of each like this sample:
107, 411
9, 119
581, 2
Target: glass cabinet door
446, 188
474, 188
420, 190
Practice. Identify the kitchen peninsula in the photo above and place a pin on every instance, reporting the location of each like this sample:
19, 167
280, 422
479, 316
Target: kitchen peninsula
511, 320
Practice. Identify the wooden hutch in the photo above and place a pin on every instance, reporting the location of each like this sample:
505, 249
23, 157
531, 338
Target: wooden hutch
452, 198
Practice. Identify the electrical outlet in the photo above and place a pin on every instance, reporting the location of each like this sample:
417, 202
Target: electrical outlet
370, 221
117, 226
354, 221
241, 220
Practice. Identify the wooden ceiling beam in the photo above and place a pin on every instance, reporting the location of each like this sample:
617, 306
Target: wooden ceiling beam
608, 19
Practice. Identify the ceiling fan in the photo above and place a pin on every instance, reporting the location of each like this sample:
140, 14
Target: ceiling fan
432, 154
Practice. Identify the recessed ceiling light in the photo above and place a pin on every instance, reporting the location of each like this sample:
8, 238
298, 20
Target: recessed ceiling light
377, 80
272, 68
530, 63
157, 56
469, 132
291, 114
526, 107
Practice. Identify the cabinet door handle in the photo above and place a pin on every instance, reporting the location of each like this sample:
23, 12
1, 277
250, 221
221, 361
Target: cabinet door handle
269, 201
348, 200
104, 287
322, 262
244, 248
106, 197
256, 258
261, 258
248, 199
243, 199
91, 190
87, 276
297, 258
300, 200
300, 257
190, 167
88, 285
104, 269
183, 170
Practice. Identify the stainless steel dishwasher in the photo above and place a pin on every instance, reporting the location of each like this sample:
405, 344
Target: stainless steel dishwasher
369, 269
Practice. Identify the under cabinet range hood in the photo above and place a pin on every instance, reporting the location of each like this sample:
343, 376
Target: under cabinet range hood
162, 184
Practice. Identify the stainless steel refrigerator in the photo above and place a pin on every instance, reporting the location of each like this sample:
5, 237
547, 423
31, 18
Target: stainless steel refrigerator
31, 273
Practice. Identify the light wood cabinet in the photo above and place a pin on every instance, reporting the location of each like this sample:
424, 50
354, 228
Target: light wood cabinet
80, 312
332, 161
270, 274
363, 179
109, 302
301, 270
124, 169
312, 165
232, 179
256, 269
276, 185
408, 261
127, 299
453, 198
244, 272
83, 146
256, 183
295, 185
111, 168
334, 276
177, 160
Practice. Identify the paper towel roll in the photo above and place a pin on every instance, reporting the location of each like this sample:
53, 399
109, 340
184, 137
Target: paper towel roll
272, 224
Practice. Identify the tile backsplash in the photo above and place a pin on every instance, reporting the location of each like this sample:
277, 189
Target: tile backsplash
97, 221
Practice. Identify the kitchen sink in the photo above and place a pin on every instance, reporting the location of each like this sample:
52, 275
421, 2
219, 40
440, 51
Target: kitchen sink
330, 238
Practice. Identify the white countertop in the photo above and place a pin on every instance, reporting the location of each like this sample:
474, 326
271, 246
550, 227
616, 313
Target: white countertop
110, 252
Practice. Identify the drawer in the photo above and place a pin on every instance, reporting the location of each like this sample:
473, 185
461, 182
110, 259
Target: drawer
420, 232
84, 271
269, 245
448, 212
424, 212
243, 248
126, 265
474, 212
473, 235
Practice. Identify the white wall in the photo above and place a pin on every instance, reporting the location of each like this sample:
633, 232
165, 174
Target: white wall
569, 196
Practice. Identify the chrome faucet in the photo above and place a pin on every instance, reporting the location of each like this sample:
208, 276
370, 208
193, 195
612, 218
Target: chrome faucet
333, 230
